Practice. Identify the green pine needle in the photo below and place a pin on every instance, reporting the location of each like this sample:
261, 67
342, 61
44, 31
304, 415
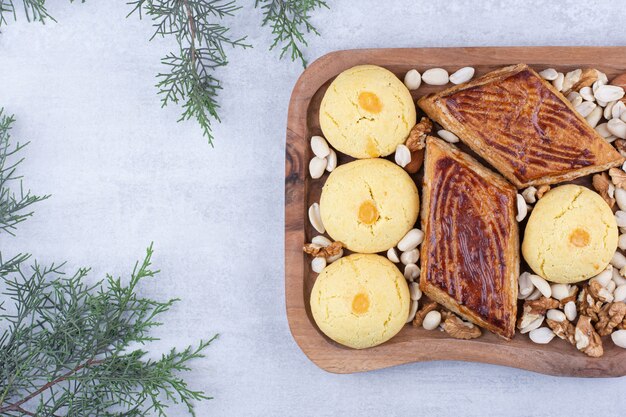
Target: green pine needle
290, 22
12, 265
67, 347
34, 10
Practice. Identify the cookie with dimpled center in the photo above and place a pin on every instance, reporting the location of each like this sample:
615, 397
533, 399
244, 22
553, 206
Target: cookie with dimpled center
571, 235
367, 112
369, 205
360, 300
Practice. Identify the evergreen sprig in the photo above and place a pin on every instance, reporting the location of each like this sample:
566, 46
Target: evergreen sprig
14, 204
67, 348
290, 22
202, 38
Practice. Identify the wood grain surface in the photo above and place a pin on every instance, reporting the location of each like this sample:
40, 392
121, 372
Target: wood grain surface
411, 344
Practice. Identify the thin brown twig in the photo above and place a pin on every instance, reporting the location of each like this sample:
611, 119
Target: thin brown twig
17, 406
192, 30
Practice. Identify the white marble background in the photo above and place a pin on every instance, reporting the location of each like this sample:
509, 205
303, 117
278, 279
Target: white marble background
123, 173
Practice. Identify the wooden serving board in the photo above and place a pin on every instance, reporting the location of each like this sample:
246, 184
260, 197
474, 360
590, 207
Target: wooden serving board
412, 344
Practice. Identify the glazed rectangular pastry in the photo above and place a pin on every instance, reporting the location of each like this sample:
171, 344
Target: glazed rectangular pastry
521, 125
470, 254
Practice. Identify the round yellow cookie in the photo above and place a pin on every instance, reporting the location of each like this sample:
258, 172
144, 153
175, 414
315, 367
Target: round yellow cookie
571, 235
367, 112
360, 301
369, 205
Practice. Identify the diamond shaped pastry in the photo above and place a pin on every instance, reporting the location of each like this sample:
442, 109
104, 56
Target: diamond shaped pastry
522, 126
470, 253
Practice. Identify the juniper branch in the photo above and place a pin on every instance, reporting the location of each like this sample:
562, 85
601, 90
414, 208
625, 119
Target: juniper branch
202, 38
66, 348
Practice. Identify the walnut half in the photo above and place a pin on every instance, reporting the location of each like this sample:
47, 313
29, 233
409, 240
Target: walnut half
541, 305
602, 183
323, 252
610, 316
587, 340
599, 293
563, 329
587, 305
417, 136
460, 329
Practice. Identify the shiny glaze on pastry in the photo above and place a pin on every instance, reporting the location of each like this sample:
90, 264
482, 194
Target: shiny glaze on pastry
470, 255
521, 125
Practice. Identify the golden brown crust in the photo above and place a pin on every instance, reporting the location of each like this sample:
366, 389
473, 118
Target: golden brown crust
522, 126
470, 254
